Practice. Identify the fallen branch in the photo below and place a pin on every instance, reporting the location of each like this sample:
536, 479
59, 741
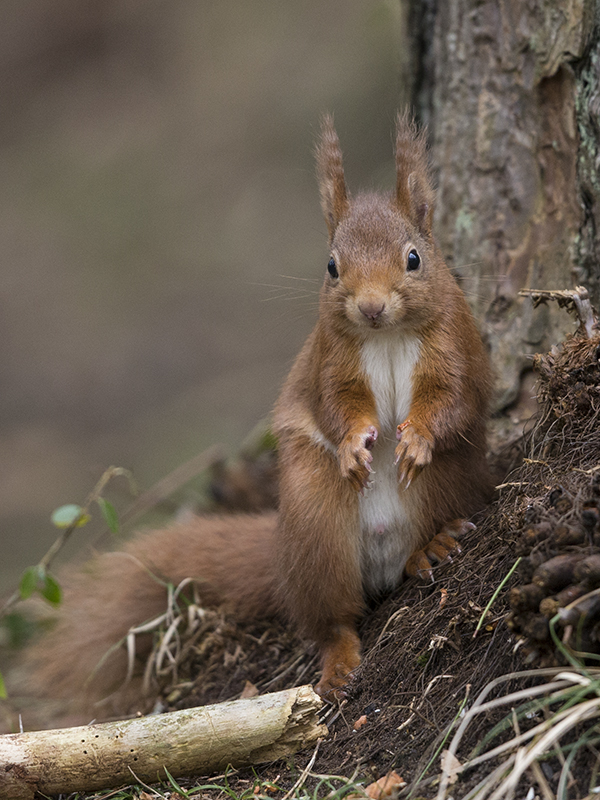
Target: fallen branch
575, 300
195, 741
166, 486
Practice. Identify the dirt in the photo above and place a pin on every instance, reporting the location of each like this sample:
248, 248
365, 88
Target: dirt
430, 647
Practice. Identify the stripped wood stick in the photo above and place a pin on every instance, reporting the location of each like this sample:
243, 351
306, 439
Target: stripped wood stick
195, 741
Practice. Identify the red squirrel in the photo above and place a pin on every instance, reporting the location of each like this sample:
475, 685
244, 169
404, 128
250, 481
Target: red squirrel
382, 450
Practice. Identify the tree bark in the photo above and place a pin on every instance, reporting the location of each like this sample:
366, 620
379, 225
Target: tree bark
193, 741
509, 90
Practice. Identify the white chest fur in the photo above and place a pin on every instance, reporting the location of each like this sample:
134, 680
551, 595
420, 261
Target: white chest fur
387, 535
388, 362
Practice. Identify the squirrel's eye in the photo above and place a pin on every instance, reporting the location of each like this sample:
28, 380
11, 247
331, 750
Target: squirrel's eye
414, 261
332, 269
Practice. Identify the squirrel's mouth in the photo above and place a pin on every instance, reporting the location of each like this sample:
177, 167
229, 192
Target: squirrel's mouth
380, 323
373, 314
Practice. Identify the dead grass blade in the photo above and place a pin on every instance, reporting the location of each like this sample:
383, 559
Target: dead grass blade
524, 750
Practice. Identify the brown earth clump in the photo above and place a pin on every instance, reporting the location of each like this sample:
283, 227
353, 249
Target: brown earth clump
556, 607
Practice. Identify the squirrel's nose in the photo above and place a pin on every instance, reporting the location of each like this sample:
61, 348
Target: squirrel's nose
371, 309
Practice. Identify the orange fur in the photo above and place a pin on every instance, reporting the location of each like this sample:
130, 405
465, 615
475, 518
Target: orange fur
394, 376
229, 556
374, 308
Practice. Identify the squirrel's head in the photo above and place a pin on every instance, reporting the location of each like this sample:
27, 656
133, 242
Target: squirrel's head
384, 268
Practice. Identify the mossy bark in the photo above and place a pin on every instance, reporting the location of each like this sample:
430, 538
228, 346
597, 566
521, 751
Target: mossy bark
510, 92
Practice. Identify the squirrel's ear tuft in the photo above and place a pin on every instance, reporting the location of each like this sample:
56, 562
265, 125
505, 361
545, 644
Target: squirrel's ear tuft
415, 195
330, 174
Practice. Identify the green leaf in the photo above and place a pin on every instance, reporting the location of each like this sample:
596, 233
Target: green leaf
110, 515
3, 694
65, 516
51, 590
28, 583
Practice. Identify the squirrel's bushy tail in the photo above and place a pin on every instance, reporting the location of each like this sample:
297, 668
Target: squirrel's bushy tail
230, 558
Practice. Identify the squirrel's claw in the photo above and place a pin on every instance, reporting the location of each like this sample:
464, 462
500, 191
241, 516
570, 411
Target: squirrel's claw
355, 458
413, 452
442, 548
457, 527
419, 566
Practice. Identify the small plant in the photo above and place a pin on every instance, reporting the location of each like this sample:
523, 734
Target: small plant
38, 578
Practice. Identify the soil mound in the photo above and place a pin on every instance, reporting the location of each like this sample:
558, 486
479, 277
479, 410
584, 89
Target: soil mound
430, 648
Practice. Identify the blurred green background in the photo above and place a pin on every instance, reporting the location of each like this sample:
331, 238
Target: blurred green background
160, 232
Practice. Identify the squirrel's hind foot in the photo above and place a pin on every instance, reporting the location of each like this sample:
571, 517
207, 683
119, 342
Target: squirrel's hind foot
340, 658
442, 547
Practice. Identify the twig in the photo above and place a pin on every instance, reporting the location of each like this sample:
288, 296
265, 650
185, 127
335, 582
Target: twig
400, 612
305, 772
145, 785
539, 776
444, 736
574, 300
166, 486
412, 709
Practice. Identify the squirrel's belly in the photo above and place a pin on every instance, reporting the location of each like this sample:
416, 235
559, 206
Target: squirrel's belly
388, 535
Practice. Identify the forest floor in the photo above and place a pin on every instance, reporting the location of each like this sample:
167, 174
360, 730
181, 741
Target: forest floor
431, 648
516, 616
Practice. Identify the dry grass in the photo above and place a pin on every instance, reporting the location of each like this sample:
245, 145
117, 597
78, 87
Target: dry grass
577, 693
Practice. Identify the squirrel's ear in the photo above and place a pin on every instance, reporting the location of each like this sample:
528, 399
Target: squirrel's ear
415, 195
330, 174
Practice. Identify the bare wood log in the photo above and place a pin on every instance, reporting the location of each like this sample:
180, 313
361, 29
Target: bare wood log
195, 741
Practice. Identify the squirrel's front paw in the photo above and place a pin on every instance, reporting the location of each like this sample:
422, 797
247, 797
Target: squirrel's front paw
413, 452
355, 457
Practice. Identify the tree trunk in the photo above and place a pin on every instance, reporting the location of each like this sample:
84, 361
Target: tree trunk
510, 92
